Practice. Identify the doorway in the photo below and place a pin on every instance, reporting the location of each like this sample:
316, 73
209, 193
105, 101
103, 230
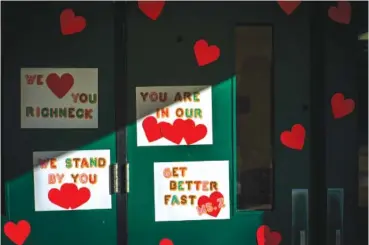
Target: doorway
259, 89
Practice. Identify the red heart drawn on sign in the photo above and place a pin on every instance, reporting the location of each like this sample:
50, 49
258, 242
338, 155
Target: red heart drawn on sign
295, 138
151, 9
173, 132
289, 6
60, 86
192, 133
342, 13
19, 232
151, 128
340, 106
204, 53
265, 237
69, 196
213, 204
70, 24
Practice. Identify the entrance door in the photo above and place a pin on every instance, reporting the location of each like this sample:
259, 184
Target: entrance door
259, 89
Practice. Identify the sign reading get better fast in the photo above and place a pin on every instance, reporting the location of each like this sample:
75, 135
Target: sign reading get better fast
191, 190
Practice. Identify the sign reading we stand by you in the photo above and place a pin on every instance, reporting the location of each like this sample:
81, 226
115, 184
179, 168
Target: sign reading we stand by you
59, 97
191, 190
74, 180
174, 115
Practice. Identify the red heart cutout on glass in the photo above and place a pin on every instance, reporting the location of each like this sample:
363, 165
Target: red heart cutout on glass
60, 86
204, 53
173, 132
342, 13
166, 241
151, 9
289, 6
70, 24
19, 232
151, 128
69, 196
192, 133
212, 202
340, 106
295, 138
265, 237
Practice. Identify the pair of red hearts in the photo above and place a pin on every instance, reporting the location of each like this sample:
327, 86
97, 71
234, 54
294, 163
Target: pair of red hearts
295, 138
69, 196
213, 199
205, 53
180, 129
340, 14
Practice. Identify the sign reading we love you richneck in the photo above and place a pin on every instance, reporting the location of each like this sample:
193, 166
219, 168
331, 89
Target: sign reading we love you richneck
174, 115
59, 97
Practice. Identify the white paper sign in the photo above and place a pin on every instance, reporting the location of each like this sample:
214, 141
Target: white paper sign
77, 180
176, 115
191, 190
59, 97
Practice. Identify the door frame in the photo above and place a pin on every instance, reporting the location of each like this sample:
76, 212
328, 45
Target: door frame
318, 188
316, 136
121, 112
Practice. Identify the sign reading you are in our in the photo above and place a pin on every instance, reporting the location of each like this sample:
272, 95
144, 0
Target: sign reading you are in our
174, 115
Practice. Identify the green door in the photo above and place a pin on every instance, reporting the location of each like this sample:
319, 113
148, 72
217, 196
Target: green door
50, 49
259, 88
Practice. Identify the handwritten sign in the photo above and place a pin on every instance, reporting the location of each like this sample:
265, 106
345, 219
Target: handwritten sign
177, 115
59, 98
71, 180
191, 190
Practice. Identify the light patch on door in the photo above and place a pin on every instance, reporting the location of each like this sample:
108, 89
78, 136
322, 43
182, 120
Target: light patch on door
174, 115
77, 180
59, 98
191, 190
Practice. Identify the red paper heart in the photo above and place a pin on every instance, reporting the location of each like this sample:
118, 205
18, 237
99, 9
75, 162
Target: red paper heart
192, 133
213, 200
69, 196
70, 24
295, 138
173, 132
151, 9
265, 237
60, 86
342, 13
340, 106
204, 53
165, 241
289, 6
19, 232
151, 129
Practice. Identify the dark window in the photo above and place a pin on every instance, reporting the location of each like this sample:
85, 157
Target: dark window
254, 45
362, 107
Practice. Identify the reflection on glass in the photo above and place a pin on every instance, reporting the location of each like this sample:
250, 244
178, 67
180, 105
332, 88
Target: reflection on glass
254, 127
